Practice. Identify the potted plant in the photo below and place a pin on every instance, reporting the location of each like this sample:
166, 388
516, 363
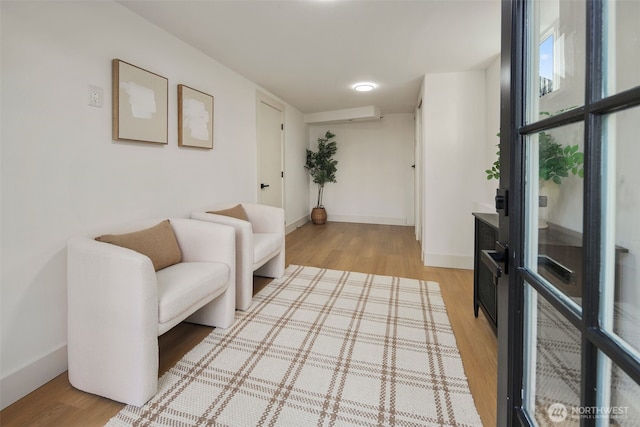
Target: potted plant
556, 161
322, 168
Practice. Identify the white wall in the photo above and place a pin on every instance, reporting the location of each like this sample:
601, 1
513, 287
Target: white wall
374, 177
296, 178
454, 158
63, 175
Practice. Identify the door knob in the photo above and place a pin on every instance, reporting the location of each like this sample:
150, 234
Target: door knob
496, 261
491, 259
263, 186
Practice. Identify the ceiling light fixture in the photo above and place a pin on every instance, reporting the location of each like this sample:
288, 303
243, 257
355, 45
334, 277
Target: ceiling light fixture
364, 87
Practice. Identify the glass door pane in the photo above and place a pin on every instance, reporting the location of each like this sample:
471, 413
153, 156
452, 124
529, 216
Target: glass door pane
618, 404
621, 60
620, 285
556, 54
552, 363
554, 187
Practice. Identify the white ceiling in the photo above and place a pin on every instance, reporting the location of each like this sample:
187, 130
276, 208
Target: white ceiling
310, 53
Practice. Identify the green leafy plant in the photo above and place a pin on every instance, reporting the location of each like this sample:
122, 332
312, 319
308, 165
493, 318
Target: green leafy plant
494, 172
321, 165
556, 161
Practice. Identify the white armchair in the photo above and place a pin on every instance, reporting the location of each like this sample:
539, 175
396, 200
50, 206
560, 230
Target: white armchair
118, 305
260, 244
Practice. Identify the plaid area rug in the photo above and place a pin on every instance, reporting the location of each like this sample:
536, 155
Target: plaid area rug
321, 348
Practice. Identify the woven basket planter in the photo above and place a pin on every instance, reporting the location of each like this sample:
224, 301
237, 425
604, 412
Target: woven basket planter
318, 216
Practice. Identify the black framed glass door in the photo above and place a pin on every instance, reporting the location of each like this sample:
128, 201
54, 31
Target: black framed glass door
570, 142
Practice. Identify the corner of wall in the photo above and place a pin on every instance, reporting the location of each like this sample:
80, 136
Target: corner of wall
31, 376
296, 224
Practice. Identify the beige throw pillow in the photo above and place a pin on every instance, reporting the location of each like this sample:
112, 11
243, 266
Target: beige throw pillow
158, 243
235, 212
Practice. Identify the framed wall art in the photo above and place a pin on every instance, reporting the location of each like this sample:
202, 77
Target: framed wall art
195, 118
140, 104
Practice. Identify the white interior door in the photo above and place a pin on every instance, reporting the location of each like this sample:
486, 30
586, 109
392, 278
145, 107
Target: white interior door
270, 126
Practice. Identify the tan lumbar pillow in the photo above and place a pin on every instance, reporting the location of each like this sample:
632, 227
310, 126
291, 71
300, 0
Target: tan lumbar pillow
235, 212
159, 243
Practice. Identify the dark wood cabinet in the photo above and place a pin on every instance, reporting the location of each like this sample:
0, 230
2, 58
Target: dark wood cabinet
560, 261
484, 288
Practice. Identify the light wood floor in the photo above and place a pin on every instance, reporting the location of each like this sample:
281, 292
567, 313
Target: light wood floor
376, 249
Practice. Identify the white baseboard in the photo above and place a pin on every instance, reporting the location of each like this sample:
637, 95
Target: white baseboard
448, 261
25, 380
296, 224
367, 219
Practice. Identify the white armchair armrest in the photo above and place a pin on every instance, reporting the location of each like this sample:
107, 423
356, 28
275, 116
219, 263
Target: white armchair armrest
112, 307
268, 223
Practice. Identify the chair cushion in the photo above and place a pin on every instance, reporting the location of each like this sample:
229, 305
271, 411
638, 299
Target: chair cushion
185, 285
265, 246
158, 243
235, 212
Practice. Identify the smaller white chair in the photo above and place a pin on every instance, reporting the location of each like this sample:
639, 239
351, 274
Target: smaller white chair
120, 300
260, 243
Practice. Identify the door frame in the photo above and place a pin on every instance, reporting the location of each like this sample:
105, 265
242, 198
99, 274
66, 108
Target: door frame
512, 224
509, 292
418, 204
262, 98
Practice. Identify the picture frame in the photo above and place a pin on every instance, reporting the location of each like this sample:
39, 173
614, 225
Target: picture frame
140, 104
195, 118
